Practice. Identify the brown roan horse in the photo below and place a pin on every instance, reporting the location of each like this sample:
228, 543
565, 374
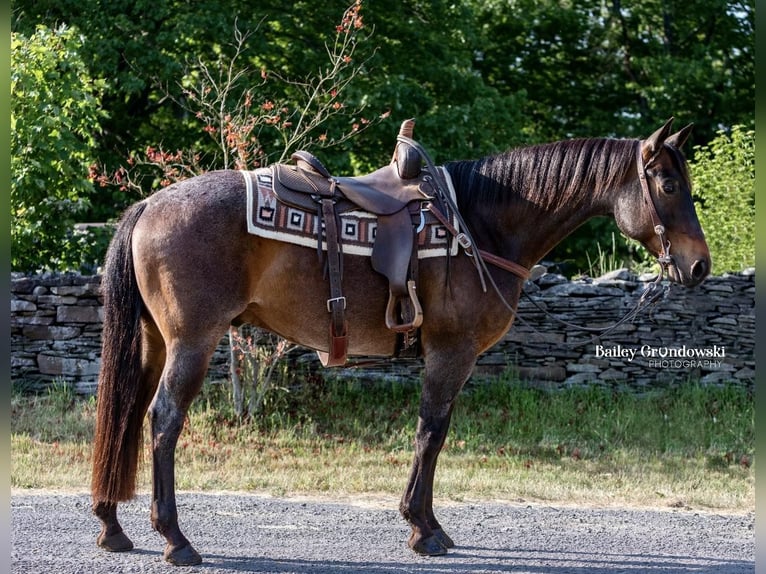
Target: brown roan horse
182, 268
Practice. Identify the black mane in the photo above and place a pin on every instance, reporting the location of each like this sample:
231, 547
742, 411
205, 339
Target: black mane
544, 174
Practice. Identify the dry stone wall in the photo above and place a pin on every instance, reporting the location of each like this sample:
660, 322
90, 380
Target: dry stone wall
56, 330
707, 332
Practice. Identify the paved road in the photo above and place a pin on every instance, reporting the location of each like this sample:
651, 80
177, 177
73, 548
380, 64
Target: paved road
55, 534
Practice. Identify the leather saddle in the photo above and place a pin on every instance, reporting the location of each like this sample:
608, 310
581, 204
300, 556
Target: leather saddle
395, 194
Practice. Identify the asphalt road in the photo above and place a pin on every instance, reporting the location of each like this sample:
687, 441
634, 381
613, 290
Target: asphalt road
55, 534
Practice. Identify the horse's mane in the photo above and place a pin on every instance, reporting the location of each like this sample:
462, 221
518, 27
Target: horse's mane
547, 174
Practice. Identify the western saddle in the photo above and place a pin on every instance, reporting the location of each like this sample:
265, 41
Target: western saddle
397, 194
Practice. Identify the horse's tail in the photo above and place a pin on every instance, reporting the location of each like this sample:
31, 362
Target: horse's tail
122, 400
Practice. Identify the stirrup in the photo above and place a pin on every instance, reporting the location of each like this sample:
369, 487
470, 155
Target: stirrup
417, 319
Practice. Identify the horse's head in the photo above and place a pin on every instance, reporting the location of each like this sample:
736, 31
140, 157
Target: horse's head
659, 211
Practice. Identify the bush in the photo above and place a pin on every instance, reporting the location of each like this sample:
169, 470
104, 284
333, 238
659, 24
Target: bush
55, 114
724, 182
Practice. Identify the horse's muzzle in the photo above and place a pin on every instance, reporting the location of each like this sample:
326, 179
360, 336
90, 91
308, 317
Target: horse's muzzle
695, 274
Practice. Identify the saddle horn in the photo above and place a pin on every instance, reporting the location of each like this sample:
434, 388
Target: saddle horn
406, 157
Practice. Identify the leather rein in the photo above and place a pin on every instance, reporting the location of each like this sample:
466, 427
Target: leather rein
650, 295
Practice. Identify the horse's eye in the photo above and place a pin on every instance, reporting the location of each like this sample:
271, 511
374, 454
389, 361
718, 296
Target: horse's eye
670, 186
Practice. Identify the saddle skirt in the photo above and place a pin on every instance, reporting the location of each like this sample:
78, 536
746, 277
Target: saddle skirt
271, 218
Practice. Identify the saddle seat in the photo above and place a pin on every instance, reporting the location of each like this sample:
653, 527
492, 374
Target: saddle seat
382, 192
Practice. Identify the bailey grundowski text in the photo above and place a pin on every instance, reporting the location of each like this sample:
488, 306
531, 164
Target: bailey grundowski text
679, 357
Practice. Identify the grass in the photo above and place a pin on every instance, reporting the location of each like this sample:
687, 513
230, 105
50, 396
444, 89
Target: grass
605, 261
689, 446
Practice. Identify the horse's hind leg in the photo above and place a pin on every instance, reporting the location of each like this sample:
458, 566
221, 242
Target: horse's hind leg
112, 538
180, 382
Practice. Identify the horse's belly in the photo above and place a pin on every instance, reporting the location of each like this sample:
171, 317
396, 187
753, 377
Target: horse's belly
290, 294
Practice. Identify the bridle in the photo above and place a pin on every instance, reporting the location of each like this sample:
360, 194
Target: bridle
664, 258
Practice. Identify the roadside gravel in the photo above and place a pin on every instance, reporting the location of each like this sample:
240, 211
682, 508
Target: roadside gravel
55, 533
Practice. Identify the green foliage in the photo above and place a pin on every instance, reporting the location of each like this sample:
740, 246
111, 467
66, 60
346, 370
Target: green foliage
724, 181
54, 121
591, 68
686, 419
57, 414
479, 77
605, 261
581, 445
86, 246
425, 68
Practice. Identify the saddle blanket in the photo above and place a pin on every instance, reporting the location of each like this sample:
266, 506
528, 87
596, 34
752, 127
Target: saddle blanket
268, 217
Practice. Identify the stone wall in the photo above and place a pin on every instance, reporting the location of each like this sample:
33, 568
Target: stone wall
56, 330
707, 333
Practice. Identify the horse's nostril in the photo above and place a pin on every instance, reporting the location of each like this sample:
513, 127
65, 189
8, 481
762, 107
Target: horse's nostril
699, 270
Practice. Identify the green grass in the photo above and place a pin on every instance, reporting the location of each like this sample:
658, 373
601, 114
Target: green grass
686, 446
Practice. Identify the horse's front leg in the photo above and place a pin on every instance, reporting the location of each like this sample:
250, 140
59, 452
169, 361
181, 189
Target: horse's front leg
444, 377
436, 528
180, 382
427, 536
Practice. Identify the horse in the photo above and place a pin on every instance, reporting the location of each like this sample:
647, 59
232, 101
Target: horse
182, 268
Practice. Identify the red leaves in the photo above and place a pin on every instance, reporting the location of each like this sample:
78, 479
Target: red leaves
352, 19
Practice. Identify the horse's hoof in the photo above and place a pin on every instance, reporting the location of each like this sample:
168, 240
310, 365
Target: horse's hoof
117, 542
444, 538
430, 546
183, 556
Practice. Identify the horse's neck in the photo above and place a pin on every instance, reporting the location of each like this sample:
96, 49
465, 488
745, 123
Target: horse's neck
525, 230
549, 227
522, 204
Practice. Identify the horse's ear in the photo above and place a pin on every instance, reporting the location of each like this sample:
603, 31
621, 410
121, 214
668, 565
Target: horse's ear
678, 139
653, 144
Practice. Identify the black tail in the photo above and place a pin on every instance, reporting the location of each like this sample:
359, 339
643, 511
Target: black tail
122, 400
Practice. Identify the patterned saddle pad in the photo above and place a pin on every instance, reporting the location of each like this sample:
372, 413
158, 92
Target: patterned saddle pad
268, 217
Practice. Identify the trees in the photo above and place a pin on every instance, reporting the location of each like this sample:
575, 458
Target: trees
54, 120
480, 77
424, 67
620, 68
